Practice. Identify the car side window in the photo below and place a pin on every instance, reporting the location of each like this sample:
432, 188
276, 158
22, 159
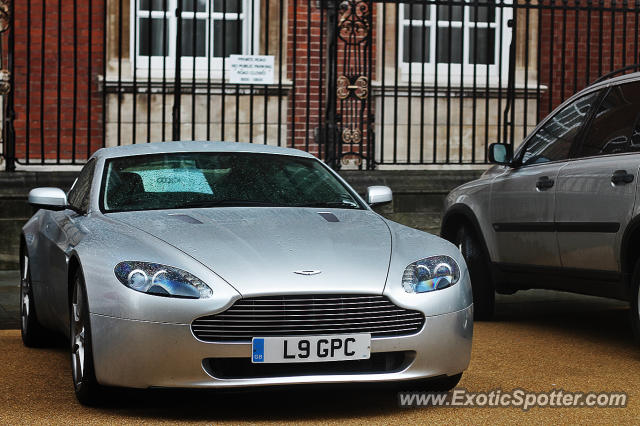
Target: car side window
553, 141
79, 193
615, 128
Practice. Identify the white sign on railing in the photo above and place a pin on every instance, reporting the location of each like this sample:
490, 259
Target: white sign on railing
251, 69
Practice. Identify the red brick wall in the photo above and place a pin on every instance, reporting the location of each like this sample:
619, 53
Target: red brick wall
305, 35
307, 32
86, 93
591, 51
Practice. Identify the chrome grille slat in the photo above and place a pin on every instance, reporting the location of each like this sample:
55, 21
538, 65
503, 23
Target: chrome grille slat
321, 330
263, 326
315, 303
306, 310
242, 313
247, 337
305, 302
308, 318
308, 315
310, 298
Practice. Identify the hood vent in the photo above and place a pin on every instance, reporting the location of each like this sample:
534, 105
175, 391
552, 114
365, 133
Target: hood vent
186, 218
329, 217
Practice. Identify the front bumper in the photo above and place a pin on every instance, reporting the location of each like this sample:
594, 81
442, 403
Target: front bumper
143, 354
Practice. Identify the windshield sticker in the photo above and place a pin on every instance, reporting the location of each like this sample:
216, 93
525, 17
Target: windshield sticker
174, 180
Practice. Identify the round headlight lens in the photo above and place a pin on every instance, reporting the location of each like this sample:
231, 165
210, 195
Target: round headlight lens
137, 280
430, 274
161, 280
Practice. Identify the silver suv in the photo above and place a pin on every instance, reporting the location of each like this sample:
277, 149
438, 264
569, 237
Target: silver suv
562, 212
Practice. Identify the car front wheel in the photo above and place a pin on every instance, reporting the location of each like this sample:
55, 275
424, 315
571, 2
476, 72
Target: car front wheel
86, 387
484, 294
33, 334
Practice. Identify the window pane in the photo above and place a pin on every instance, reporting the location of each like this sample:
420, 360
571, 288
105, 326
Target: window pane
228, 6
173, 180
152, 4
188, 37
615, 124
449, 48
455, 12
153, 46
417, 11
188, 5
482, 13
416, 44
553, 141
232, 41
79, 194
485, 37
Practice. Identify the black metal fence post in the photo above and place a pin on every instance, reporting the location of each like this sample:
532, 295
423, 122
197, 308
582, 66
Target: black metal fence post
330, 133
509, 109
417, 82
9, 113
177, 81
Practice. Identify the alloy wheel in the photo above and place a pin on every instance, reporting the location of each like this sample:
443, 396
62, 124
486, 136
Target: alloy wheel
77, 334
25, 291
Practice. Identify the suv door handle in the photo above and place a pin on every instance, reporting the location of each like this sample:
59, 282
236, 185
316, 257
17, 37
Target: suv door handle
621, 177
544, 183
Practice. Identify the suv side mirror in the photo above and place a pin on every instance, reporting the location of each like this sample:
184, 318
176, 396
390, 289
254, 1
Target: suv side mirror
377, 195
48, 198
500, 153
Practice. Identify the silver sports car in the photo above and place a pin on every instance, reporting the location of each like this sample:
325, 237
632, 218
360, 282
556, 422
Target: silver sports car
200, 264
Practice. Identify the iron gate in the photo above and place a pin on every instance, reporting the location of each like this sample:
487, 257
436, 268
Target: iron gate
358, 83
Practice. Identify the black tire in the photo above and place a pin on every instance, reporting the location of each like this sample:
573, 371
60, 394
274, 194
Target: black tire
33, 334
482, 286
634, 301
88, 391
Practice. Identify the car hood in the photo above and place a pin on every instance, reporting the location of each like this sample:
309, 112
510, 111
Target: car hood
259, 250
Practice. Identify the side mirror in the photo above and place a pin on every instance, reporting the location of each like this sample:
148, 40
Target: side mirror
377, 195
48, 198
500, 153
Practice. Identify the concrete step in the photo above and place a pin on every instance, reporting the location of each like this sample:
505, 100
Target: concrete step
15, 208
428, 222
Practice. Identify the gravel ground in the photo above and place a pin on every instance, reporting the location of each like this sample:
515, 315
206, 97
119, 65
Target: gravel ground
540, 341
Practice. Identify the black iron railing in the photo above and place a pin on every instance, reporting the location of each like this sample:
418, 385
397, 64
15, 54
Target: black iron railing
356, 82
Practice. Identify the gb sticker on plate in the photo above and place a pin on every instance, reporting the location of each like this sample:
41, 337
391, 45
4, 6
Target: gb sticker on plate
258, 350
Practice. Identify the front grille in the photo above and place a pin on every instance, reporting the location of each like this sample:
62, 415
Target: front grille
308, 315
243, 368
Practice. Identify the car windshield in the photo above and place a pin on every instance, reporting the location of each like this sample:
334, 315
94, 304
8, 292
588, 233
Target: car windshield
190, 180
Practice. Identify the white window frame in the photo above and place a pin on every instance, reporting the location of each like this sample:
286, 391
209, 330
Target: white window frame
250, 22
466, 69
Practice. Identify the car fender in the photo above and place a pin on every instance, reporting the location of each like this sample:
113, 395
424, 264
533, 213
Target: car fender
472, 201
110, 242
410, 245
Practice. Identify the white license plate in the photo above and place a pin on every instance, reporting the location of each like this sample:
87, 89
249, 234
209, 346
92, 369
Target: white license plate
342, 347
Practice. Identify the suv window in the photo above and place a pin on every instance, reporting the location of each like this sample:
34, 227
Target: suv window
78, 196
553, 141
615, 127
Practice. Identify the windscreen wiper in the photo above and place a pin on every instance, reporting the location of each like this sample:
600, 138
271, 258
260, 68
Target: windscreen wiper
223, 203
330, 204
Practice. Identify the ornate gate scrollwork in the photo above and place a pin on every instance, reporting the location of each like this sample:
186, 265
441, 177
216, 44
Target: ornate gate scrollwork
349, 118
5, 22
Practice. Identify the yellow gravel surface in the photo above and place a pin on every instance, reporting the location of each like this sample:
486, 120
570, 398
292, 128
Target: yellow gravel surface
537, 344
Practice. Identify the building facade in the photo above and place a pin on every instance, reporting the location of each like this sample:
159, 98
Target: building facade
361, 84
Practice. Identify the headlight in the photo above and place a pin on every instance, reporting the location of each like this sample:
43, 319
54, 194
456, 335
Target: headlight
429, 274
161, 280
